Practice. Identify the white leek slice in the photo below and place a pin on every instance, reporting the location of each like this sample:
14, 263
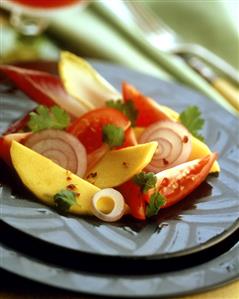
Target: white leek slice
118, 209
84, 83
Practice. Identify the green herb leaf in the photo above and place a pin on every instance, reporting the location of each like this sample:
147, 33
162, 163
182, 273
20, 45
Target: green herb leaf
191, 119
156, 201
145, 180
48, 118
64, 200
112, 135
128, 108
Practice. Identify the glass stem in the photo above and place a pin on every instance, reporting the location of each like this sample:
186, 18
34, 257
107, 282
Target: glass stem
26, 24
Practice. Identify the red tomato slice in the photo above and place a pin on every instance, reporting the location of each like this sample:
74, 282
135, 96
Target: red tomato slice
177, 182
88, 128
130, 138
148, 111
134, 198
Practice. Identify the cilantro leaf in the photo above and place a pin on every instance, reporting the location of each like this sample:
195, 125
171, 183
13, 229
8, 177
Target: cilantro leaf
112, 135
128, 108
64, 200
191, 119
146, 181
156, 201
48, 118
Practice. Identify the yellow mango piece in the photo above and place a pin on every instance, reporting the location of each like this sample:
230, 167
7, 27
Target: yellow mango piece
118, 166
173, 115
199, 148
44, 178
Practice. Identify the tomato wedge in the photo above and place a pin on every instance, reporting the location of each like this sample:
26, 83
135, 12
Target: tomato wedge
134, 199
177, 182
88, 128
148, 111
174, 184
130, 138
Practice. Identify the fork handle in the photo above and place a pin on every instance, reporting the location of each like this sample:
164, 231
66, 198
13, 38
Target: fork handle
228, 91
210, 58
224, 87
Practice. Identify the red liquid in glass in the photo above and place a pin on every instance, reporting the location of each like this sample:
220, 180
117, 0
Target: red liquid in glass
46, 3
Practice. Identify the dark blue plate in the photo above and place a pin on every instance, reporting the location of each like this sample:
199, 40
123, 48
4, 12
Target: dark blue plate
201, 221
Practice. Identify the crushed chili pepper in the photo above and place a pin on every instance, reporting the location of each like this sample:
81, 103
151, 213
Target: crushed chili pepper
165, 162
71, 187
185, 139
125, 164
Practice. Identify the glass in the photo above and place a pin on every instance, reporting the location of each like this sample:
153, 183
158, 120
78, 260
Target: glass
31, 17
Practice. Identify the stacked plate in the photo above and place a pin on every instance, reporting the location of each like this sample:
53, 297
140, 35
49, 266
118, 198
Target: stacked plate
190, 247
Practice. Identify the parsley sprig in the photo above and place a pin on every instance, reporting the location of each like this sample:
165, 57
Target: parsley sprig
145, 180
127, 108
64, 200
113, 135
48, 118
191, 119
156, 201
148, 181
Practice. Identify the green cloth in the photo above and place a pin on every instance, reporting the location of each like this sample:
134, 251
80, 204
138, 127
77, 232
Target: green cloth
97, 32
100, 33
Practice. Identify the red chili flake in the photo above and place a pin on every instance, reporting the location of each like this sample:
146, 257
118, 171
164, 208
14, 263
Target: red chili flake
71, 187
125, 164
165, 162
68, 178
185, 139
91, 175
77, 194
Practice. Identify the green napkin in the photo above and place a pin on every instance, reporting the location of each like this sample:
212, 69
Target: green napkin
102, 33
91, 35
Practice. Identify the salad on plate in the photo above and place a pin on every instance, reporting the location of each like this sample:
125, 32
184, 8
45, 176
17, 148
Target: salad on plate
88, 149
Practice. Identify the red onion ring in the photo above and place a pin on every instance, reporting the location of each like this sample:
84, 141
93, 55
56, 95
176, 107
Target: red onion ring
61, 147
174, 144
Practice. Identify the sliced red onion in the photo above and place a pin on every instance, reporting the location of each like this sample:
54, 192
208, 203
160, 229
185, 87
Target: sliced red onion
118, 209
62, 148
174, 144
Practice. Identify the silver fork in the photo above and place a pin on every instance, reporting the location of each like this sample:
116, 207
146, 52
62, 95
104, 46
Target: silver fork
162, 37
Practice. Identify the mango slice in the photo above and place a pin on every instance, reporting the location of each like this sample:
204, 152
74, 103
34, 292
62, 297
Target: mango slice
173, 115
199, 150
118, 166
44, 178
84, 83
